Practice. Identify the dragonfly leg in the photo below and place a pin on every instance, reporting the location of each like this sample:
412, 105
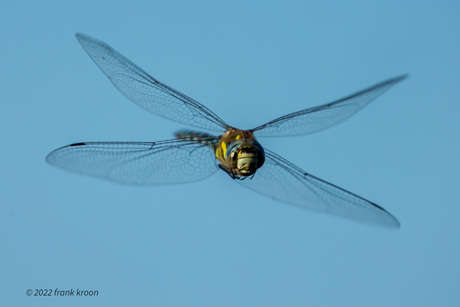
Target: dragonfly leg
227, 170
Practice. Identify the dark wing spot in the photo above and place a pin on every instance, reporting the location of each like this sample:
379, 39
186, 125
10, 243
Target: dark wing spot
78, 144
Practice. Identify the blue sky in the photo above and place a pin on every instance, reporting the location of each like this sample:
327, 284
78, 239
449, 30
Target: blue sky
214, 243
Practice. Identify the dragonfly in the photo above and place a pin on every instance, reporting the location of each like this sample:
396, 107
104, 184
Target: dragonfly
193, 156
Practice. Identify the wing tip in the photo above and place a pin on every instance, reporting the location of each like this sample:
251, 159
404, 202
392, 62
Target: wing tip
81, 36
390, 220
87, 40
394, 224
400, 77
50, 156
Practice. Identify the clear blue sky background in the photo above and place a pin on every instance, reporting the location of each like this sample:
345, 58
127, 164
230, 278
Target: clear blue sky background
213, 242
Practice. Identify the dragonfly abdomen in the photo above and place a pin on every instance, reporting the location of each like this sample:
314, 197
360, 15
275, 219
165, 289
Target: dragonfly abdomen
199, 137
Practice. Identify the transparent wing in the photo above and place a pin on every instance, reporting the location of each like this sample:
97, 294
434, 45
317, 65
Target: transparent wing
146, 91
322, 117
165, 162
283, 181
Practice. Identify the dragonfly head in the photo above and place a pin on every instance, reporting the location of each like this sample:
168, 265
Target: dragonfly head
245, 156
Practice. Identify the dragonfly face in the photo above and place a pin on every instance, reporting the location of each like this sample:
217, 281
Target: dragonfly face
239, 153
247, 158
194, 155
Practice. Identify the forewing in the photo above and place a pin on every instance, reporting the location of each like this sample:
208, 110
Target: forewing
285, 182
154, 163
322, 117
146, 91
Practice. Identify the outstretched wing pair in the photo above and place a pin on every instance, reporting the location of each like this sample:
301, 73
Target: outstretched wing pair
176, 161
